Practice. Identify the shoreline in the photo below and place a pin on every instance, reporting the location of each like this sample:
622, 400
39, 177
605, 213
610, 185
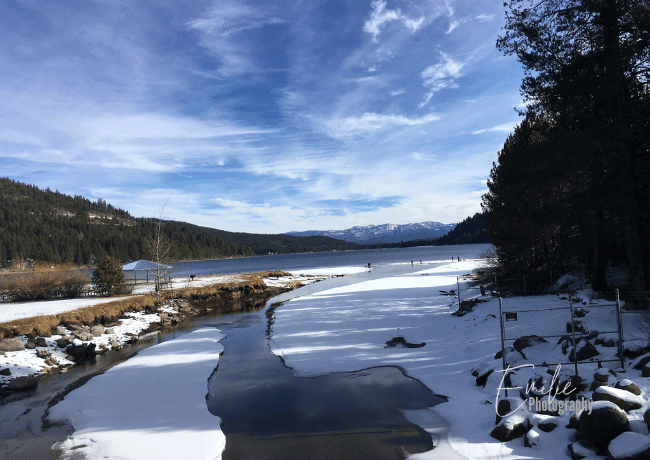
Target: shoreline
77, 335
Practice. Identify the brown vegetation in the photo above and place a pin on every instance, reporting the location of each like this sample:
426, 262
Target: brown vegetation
238, 295
42, 282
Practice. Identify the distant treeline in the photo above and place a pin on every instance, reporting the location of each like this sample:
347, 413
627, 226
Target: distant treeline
49, 226
472, 230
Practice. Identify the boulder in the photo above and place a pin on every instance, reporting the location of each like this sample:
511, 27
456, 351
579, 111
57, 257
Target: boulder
547, 425
6, 372
645, 372
629, 446
532, 438
81, 352
97, 330
578, 451
622, 398
40, 342
83, 336
602, 375
11, 345
640, 362
511, 427
61, 343
110, 330
605, 422
61, 330
585, 350
628, 385
646, 418
30, 345
22, 384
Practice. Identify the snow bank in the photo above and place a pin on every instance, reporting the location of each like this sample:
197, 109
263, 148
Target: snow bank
10, 311
149, 407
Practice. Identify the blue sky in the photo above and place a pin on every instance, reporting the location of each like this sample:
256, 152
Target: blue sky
258, 116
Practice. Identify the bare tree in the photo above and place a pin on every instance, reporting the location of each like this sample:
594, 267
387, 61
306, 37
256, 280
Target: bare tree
159, 247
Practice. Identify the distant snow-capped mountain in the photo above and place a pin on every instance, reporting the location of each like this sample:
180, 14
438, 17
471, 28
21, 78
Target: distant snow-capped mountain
386, 233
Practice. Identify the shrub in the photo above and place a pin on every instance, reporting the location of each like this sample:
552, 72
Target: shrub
108, 278
43, 283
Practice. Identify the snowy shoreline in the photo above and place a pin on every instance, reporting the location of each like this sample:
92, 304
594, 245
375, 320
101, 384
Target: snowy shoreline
50, 355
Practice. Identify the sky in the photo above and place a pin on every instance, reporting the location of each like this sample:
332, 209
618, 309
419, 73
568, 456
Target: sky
257, 116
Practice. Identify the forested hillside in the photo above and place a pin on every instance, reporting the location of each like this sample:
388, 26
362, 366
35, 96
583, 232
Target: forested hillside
571, 187
53, 227
472, 230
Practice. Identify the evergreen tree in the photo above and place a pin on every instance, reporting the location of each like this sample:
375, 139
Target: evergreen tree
108, 278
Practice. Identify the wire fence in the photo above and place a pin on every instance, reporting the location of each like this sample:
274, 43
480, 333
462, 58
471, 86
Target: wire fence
562, 331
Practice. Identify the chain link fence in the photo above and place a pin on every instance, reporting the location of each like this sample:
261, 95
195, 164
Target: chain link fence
561, 331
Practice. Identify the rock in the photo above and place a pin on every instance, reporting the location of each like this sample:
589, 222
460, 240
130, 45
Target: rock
622, 398
22, 384
527, 341
585, 349
81, 352
547, 425
61, 343
40, 342
578, 451
602, 375
646, 418
5, 371
30, 345
61, 331
511, 427
605, 422
640, 362
503, 408
110, 330
83, 336
532, 438
645, 372
11, 345
629, 446
628, 385
97, 330
595, 384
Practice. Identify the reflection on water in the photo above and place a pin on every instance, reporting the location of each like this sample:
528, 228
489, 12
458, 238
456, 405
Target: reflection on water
269, 413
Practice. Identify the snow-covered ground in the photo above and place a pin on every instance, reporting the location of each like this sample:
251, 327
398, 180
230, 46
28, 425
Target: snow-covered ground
11, 311
149, 407
347, 329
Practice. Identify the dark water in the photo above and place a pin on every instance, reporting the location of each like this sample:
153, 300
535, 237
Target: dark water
291, 262
269, 413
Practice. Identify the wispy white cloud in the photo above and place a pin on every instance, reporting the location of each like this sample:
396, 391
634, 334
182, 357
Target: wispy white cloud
381, 16
503, 128
220, 27
485, 17
398, 92
369, 122
443, 74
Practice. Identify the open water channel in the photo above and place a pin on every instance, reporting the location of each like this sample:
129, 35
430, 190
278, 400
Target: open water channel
267, 411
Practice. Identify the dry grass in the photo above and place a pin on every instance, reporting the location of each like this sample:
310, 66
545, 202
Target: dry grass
42, 282
229, 294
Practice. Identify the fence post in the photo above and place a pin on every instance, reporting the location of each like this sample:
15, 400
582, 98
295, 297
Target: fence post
503, 341
524, 277
619, 320
573, 333
458, 287
496, 285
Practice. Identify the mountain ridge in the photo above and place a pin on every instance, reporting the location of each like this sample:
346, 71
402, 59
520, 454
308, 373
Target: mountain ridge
383, 233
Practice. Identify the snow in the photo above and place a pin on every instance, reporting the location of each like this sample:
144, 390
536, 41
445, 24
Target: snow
621, 394
627, 445
152, 406
11, 311
346, 329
